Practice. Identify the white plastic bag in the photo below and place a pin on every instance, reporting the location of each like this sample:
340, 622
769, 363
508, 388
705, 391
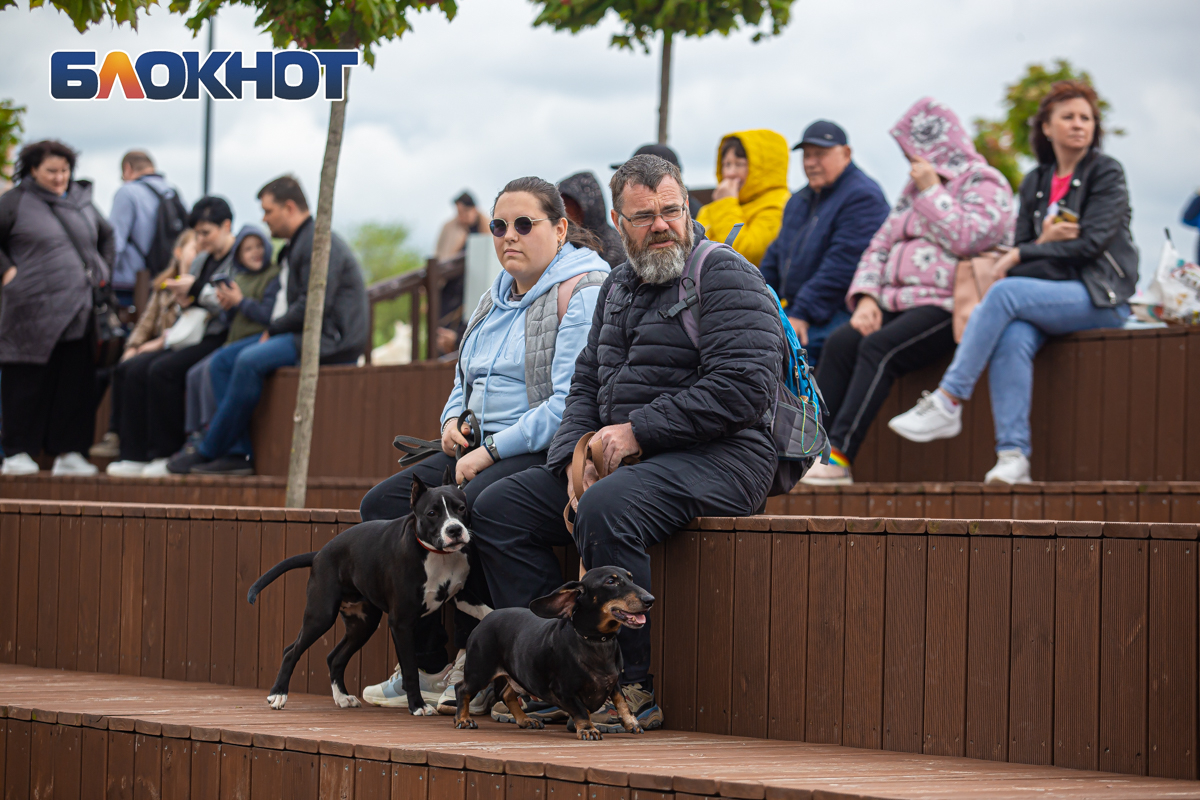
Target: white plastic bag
188, 329
1174, 293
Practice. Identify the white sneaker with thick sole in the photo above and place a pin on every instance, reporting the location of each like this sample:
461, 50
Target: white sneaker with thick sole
1011, 467
390, 693
19, 464
125, 469
933, 417
447, 704
73, 464
156, 468
827, 475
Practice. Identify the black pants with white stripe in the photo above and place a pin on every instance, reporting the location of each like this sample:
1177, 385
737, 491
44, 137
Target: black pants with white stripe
856, 372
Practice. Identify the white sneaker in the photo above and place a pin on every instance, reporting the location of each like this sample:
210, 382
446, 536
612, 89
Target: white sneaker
390, 693
19, 464
933, 417
125, 469
1011, 467
447, 704
827, 475
156, 468
73, 464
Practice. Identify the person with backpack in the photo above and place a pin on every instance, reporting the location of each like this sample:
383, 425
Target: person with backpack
532, 322
55, 253
147, 217
695, 417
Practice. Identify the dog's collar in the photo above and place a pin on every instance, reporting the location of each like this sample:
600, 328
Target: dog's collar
421, 542
607, 638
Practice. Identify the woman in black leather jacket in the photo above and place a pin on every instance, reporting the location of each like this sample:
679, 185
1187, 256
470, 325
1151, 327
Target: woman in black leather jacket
1073, 268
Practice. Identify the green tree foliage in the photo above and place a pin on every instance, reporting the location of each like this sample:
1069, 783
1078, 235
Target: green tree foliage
85, 13
384, 252
10, 135
1005, 142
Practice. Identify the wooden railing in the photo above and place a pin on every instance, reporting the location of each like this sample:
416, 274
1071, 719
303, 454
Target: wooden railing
424, 288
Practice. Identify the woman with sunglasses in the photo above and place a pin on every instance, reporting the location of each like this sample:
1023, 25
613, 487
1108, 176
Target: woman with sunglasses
515, 366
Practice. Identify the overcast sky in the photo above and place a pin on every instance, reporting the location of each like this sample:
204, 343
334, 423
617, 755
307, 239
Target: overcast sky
486, 98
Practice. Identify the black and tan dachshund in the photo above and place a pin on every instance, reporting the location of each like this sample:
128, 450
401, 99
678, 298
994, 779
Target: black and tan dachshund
562, 649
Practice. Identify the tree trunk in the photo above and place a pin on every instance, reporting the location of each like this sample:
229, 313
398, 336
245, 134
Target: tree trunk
314, 312
664, 87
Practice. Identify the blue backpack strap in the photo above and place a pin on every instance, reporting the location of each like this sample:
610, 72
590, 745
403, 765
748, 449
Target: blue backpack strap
733, 234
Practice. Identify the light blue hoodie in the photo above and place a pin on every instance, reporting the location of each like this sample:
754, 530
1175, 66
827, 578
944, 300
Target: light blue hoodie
493, 358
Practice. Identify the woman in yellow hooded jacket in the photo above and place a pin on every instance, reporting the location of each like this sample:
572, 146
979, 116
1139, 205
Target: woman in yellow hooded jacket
752, 171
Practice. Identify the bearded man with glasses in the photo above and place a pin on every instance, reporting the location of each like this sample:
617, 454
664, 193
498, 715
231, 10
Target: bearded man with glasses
682, 427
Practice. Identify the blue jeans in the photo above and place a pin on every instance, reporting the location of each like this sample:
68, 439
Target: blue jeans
237, 372
817, 334
1004, 334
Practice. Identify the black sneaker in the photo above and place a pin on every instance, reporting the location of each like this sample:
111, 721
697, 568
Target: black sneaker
185, 461
226, 465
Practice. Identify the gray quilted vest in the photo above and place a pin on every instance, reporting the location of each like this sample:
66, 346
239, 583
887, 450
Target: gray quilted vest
541, 333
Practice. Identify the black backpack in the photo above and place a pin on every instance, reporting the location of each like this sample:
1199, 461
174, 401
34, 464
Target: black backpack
169, 222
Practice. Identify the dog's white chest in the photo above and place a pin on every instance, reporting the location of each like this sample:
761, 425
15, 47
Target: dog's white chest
444, 576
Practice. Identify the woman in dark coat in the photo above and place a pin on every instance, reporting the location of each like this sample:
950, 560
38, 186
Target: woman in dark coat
54, 247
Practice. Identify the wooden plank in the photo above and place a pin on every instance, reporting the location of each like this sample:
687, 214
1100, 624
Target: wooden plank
1089, 396
318, 675
294, 585
93, 761
1123, 571
1172, 411
1192, 430
410, 782
68, 746
1143, 382
946, 645
121, 750
751, 634
236, 766
245, 636
17, 759
41, 760
654, 617
301, 775
1063, 355
1077, 654
520, 787
563, 790
866, 566
826, 638
108, 640
27, 590
224, 600
1031, 685
714, 637
447, 784
10, 554
177, 769
270, 606
372, 780
337, 778
787, 684
490, 786
904, 645
47, 589
175, 601
266, 774
988, 636
133, 556
206, 771
680, 622
1114, 427
68, 592
154, 576
1172, 659
147, 768
200, 599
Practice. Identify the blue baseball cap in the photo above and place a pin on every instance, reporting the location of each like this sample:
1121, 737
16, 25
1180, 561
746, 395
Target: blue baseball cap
822, 133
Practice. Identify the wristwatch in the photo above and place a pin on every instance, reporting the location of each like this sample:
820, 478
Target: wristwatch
489, 444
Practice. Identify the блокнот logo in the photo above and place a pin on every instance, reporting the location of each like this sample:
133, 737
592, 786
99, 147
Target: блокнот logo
73, 74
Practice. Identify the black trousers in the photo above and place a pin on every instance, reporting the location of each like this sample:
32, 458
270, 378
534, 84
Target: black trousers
389, 500
153, 389
51, 407
856, 372
518, 521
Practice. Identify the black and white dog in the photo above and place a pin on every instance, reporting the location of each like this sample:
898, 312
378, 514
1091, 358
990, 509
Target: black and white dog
407, 567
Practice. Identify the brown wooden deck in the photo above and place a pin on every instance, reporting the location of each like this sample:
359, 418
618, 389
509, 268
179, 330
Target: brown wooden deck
76, 735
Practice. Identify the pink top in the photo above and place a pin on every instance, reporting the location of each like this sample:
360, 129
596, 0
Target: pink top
1059, 187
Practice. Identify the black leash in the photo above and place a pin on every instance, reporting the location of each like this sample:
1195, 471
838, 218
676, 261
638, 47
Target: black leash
415, 449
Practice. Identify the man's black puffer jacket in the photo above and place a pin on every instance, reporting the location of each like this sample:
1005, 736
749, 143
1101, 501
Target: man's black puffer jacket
642, 368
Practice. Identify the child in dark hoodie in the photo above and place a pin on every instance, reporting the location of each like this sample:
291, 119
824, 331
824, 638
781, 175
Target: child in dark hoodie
246, 294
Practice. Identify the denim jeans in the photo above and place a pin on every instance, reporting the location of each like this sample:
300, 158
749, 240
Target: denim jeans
1004, 334
817, 334
237, 372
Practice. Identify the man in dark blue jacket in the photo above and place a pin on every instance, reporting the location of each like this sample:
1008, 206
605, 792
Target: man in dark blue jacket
826, 227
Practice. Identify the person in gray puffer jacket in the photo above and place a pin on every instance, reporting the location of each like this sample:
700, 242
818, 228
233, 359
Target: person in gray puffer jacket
54, 246
585, 206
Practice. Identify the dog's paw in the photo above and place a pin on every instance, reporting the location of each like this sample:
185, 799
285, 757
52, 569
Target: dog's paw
277, 701
635, 728
343, 700
465, 724
426, 711
590, 734
530, 722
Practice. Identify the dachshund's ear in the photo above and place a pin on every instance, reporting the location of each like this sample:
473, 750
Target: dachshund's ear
448, 477
418, 488
560, 604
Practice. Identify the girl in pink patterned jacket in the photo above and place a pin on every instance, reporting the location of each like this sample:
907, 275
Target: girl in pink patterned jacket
954, 207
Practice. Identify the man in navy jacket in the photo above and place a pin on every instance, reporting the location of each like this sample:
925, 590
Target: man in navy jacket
826, 227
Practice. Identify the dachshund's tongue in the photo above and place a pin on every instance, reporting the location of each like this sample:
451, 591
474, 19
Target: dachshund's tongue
639, 619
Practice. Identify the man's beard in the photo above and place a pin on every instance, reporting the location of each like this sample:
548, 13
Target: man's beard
659, 265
